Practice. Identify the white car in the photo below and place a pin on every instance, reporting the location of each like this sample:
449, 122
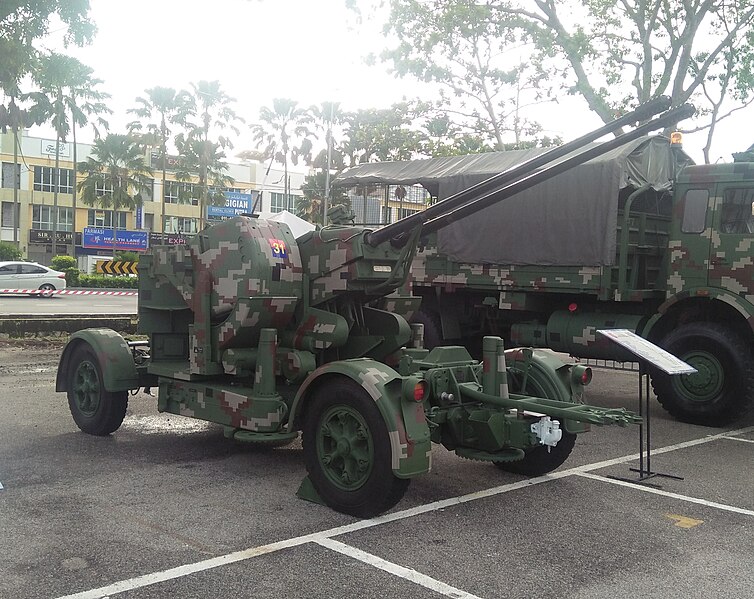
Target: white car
30, 275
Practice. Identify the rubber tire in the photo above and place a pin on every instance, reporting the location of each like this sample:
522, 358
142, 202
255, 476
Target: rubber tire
111, 407
432, 327
539, 460
382, 489
47, 287
736, 396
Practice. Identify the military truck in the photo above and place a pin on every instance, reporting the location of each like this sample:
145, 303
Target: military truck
637, 238
268, 335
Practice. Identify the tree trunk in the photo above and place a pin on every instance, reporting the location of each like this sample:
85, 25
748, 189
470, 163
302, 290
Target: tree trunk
73, 222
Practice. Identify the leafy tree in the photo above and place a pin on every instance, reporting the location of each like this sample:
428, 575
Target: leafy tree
169, 107
116, 176
484, 85
22, 22
9, 251
284, 133
67, 97
214, 115
617, 54
311, 206
196, 155
381, 134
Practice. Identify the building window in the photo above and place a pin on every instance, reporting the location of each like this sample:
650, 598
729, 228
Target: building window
178, 192
148, 221
147, 195
11, 175
104, 218
41, 218
6, 215
406, 212
180, 224
278, 202
44, 179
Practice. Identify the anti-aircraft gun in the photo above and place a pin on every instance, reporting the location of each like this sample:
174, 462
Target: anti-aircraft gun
268, 335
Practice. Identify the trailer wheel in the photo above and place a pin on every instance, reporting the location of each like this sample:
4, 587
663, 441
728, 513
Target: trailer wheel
541, 459
95, 410
723, 388
432, 327
348, 453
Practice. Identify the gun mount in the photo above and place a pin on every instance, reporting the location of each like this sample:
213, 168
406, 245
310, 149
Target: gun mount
268, 335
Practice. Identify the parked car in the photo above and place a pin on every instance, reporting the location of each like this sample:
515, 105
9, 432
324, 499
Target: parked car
30, 275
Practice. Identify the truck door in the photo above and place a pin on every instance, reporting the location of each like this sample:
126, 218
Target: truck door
731, 266
690, 239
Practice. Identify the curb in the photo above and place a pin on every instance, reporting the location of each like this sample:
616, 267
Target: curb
33, 325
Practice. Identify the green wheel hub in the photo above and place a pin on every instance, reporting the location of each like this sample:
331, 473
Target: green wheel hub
345, 448
706, 383
86, 388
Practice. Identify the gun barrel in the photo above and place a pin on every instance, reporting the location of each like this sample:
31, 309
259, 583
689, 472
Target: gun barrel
667, 119
644, 111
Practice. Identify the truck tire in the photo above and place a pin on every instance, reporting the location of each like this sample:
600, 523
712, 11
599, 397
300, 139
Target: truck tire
95, 410
722, 390
542, 459
347, 451
432, 327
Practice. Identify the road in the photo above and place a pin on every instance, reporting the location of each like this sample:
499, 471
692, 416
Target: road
167, 506
66, 305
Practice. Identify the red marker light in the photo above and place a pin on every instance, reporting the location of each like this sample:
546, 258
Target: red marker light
573, 307
420, 390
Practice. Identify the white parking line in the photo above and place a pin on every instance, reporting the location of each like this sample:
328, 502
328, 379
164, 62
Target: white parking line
739, 439
640, 487
396, 570
224, 560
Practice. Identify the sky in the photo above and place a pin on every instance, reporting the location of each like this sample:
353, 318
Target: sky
307, 50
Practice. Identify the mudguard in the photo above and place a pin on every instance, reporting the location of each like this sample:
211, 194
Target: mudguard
115, 359
405, 421
550, 374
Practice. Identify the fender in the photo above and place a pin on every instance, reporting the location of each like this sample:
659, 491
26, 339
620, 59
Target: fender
739, 304
115, 359
405, 421
552, 375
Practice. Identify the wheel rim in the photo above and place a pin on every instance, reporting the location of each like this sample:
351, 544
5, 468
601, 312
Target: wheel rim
345, 448
706, 383
86, 388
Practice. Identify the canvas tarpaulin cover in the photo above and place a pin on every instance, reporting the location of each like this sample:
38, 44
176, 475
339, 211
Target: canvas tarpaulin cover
570, 219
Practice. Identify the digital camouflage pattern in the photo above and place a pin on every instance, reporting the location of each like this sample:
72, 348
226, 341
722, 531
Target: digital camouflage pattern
681, 257
248, 328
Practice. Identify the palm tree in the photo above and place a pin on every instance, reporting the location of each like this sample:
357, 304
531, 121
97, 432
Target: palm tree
67, 87
116, 176
17, 62
278, 130
215, 114
171, 108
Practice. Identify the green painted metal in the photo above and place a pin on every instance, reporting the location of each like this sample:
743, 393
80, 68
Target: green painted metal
268, 335
116, 361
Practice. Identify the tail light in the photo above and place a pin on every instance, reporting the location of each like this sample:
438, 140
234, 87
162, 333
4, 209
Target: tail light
581, 375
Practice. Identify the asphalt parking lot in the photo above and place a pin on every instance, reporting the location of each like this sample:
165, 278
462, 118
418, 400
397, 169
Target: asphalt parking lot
168, 507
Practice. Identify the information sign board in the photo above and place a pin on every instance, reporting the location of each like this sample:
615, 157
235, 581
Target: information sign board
102, 238
648, 351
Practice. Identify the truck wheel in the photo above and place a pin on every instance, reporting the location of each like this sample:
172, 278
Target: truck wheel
723, 388
542, 459
347, 451
432, 327
95, 410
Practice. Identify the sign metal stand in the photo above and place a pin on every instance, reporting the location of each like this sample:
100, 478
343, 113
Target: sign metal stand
647, 353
